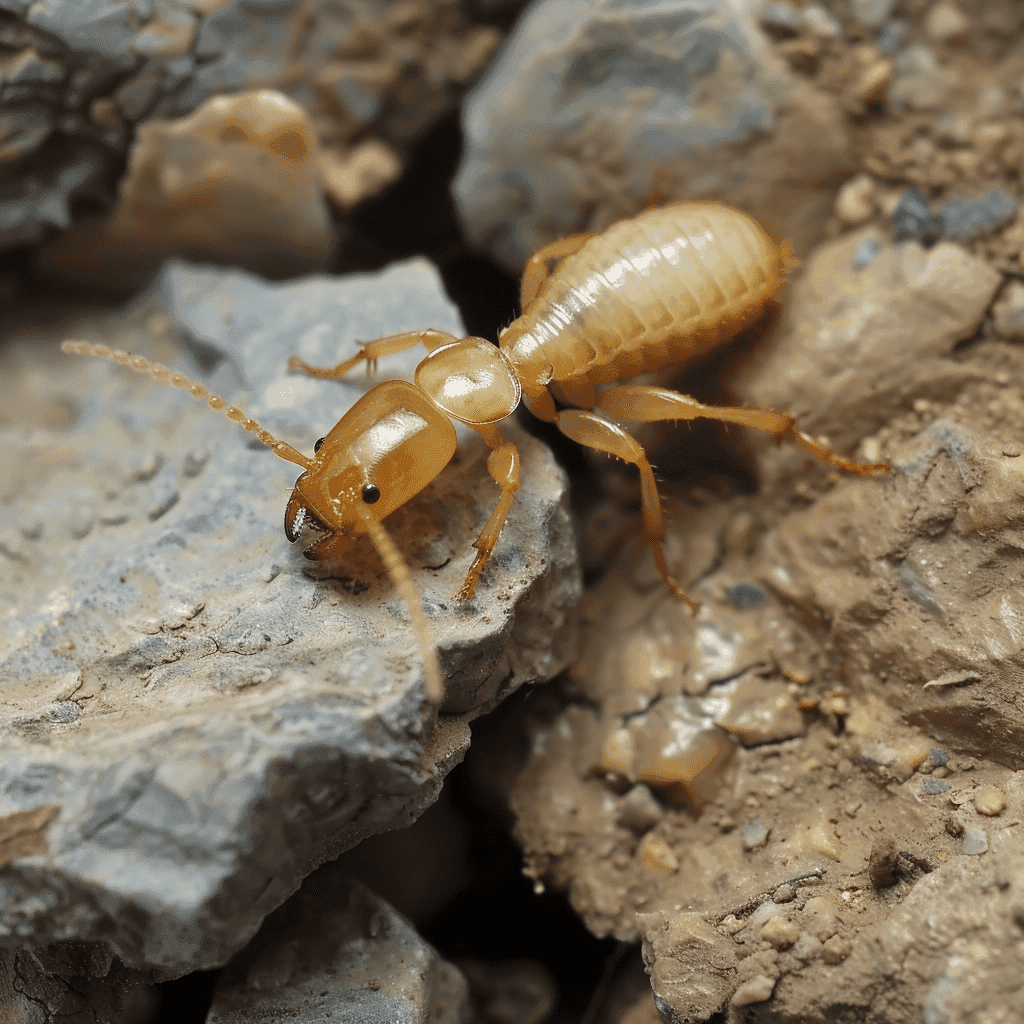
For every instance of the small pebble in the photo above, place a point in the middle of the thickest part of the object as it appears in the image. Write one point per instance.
(856, 200)
(756, 990)
(807, 947)
(836, 950)
(912, 218)
(965, 219)
(779, 16)
(866, 252)
(747, 595)
(975, 841)
(755, 834)
(939, 758)
(946, 23)
(784, 894)
(639, 810)
(657, 855)
(989, 800)
(891, 37)
(933, 786)
(1008, 311)
(780, 932)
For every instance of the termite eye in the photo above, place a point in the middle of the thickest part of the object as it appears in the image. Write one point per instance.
(319, 445)
(371, 494)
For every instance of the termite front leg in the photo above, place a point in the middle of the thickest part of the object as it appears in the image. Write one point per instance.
(638, 403)
(537, 265)
(371, 351)
(503, 465)
(594, 431)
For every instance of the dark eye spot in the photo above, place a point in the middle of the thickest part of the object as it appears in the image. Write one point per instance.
(319, 445)
(371, 494)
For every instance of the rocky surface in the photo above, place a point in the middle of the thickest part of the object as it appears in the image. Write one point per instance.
(869, 327)
(192, 185)
(802, 800)
(191, 722)
(72, 981)
(587, 113)
(336, 950)
(79, 77)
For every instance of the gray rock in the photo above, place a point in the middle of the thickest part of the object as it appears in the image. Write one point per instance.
(74, 982)
(965, 219)
(913, 218)
(921, 82)
(92, 26)
(591, 109)
(39, 200)
(336, 950)
(237, 722)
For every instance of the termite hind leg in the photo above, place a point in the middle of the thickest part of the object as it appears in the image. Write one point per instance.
(593, 431)
(503, 465)
(536, 270)
(371, 351)
(638, 403)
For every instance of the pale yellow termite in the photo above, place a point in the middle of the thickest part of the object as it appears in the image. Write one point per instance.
(665, 287)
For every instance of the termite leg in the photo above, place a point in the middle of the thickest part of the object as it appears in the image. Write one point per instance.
(371, 351)
(592, 430)
(638, 403)
(503, 465)
(537, 265)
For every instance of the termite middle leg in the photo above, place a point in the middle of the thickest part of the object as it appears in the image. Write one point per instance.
(371, 351)
(638, 403)
(503, 465)
(537, 265)
(592, 430)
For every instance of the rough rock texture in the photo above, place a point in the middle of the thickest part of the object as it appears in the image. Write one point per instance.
(77, 982)
(591, 110)
(336, 950)
(869, 327)
(78, 77)
(854, 856)
(191, 723)
(194, 183)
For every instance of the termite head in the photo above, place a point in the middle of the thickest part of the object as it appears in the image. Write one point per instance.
(382, 452)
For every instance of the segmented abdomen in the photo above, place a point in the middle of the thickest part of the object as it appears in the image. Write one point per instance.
(666, 286)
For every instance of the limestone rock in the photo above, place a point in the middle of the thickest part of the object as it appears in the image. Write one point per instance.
(190, 722)
(590, 110)
(336, 950)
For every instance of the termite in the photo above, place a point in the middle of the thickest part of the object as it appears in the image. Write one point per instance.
(665, 287)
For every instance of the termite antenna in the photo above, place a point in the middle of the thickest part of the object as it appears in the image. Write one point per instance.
(195, 389)
(392, 558)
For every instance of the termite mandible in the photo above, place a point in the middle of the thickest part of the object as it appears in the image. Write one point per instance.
(664, 287)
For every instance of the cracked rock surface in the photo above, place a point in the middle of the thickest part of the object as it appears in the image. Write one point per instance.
(336, 950)
(190, 721)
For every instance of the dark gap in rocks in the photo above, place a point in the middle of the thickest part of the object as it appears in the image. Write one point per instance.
(187, 999)
(416, 216)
